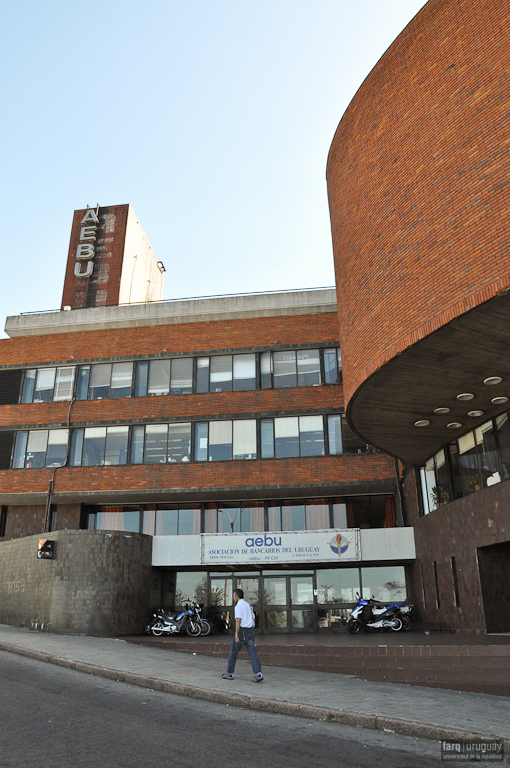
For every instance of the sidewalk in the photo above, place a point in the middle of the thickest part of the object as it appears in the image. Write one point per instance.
(410, 710)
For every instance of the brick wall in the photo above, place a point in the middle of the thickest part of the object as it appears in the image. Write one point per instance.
(418, 179)
(192, 338)
(98, 583)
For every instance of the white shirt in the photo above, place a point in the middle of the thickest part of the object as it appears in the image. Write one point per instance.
(244, 612)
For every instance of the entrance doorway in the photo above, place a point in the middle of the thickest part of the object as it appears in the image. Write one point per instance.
(494, 570)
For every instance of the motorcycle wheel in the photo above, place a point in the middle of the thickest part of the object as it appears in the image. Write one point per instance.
(193, 629)
(354, 627)
(398, 626)
(205, 628)
(157, 628)
(406, 623)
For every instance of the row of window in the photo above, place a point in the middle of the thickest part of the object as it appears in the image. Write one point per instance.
(477, 460)
(221, 440)
(247, 516)
(183, 375)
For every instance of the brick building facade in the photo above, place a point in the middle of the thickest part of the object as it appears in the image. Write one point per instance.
(215, 428)
(417, 177)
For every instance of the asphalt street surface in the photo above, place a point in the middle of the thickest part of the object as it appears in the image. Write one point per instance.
(57, 717)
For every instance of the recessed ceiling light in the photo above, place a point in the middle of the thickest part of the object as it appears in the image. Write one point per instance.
(465, 396)
(499, 400)
(475, 414)
(454, 425)
(441, 411)
(422, 423)
(493, 380)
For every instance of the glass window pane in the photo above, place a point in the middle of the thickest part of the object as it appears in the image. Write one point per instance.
(82, 389)
(156, 439)
(118, 519)
(189, 520)
(36, 448)
(93, 446)
(221, 592)
(275, 590)
(99, 387)
(286, 437)
(122, 379)
(301, 590)
(228, 515)
(339, 513)
(210, 518)
(252, 516)
(317, 514)
(351, 442)
(274, 516)
(338, 585)
(64, 383)
(244, 372)
(267, 438)
(245, 439)
(387, 583)
(137, 444)
(18, 461)
(266, 370)
(284, 367)
(28, 386)
(202, 374)
(182, 376)
(179, 442)
(293, 516)
(56, 453)
(221, 373)
(308, 368)
(44, 385)
(311, 435)
(116, 445)
(149, 521)
(490, 464)
(76, 448)
(166, 521)
(188, 584)
(330, 366)
(142, 379)
(220, 441)
(201, 441)
(335, 435)
(503, 429)
(159, 377)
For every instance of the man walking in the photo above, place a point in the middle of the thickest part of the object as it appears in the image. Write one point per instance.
(244, 635)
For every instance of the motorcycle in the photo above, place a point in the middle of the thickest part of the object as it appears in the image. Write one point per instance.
(168, 622)
(371, 614)
(205, 627)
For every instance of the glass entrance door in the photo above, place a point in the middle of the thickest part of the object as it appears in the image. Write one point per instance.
(288, 603)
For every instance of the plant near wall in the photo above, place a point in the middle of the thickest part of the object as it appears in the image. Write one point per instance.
(474, 484)
(440, 495)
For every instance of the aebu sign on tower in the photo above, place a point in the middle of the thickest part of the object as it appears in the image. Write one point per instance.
(110, 260)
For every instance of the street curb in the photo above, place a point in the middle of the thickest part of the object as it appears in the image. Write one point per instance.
(273, 706)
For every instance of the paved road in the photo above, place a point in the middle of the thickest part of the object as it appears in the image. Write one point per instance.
(57, 717)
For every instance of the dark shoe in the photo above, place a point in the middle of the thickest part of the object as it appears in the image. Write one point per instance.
(227, 676)
(257, 679)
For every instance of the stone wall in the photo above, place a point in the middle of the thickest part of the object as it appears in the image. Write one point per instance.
(99, 583)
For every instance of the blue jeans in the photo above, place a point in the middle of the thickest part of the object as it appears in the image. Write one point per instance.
(246, 637)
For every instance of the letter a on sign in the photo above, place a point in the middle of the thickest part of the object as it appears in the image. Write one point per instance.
(90, 216)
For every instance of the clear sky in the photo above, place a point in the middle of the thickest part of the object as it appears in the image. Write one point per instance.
(213, 118)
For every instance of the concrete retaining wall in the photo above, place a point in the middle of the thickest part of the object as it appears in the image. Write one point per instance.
(98, 583)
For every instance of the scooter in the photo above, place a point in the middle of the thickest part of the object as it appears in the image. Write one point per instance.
(167, 622)
(371, 614)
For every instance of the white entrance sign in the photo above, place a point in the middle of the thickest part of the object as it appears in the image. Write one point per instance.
(281, 547)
